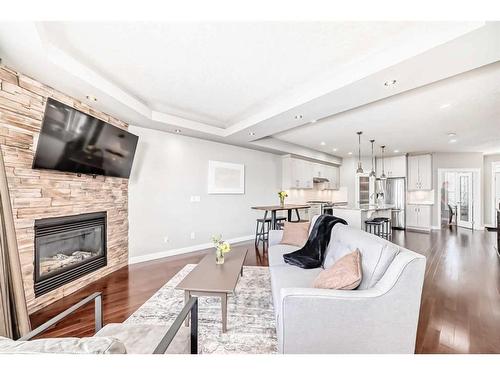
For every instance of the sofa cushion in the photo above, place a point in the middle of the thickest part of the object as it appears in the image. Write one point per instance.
(287, 276)
(143, 338)
(69, 345)
(345, 274)
(276, 254)
(295, 234)
(376, 253)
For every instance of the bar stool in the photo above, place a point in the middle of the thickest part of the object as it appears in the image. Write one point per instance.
(380, 226)
(386, 228)
(374, 227)
(262, 230)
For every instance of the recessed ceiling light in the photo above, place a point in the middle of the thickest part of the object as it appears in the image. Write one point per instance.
(322, 143)
(445, 105)
(177, 131)
(334, 149)
(452, 134)
(392, 82)
(453, 140)
(313, 121)
(396, 151)
(349, 153)
(251, 133)
(91, 98)
(298, 117)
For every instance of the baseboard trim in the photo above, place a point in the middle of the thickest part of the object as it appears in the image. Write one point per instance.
(183, 250)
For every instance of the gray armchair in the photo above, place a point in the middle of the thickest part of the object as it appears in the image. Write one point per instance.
(114, 338)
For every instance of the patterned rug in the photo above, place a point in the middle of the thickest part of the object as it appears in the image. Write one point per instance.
(250, 317)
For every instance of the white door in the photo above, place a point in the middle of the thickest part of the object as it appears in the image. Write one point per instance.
(465, 214)
(497, 190)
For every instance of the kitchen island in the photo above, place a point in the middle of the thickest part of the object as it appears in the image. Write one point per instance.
(356, 215)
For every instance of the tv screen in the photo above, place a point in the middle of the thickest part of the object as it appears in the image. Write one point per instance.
(72, 141)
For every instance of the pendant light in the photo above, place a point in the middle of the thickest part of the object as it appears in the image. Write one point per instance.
(360, 168)
(372, 173)
(383, 176)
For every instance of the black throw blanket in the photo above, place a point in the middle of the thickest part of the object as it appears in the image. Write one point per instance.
(313, 252)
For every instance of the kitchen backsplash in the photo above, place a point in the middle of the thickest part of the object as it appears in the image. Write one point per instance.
(316, 194)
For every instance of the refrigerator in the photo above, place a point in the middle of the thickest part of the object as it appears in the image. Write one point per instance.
(395, 195)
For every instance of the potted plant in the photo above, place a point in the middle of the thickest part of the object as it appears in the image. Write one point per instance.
(221, 247)
(282, 194)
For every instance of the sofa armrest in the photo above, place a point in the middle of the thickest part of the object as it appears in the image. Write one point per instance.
(382, 319)
(191, 308)
(96, 297)
(275, 237)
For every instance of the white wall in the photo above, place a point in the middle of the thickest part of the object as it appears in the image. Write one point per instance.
(168, 169)
(488, 203)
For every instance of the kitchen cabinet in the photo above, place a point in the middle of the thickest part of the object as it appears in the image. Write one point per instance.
(394, 166)
(418, 217)
(333, 176)
(299, 174)
(420, 172)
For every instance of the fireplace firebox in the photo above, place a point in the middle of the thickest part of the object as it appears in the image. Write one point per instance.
(67, 248)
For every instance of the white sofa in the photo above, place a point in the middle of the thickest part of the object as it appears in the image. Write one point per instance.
(380, 316)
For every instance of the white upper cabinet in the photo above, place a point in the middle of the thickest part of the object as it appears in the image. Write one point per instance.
(420, 172)
(333, 176)
(299, 174)
(394, 166)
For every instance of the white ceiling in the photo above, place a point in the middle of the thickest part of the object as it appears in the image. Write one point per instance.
(243, 83)
(221, 73)
(417, 120)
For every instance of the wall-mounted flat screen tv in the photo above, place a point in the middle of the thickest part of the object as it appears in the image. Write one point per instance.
(73, 141)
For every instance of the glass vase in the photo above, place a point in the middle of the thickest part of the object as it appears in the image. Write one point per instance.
(282, 201)
(219, 257)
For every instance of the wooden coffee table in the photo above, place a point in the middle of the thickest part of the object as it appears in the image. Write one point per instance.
(211, 279)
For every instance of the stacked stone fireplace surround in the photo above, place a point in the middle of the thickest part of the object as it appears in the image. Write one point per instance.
(37, 194)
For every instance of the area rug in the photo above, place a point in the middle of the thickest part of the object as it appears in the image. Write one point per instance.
(250, 317)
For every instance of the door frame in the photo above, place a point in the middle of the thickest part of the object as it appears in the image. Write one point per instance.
(495, 167)
(476, 187)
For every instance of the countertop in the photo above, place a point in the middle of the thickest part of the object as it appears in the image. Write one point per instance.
(365, 207)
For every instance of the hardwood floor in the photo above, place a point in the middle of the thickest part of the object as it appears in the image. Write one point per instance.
(460, 310)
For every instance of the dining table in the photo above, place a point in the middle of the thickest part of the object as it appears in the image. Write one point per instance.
(286, 207)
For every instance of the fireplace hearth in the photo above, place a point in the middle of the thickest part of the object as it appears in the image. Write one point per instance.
(67, 248)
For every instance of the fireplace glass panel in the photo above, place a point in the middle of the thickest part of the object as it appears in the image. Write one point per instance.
(61, 251)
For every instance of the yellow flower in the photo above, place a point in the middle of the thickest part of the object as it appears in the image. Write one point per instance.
(225, 247)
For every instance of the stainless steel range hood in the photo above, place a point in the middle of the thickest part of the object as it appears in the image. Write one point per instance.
(320, 180)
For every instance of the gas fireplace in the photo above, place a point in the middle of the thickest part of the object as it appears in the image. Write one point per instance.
(67, 248)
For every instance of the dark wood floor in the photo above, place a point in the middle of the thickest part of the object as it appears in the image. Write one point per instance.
(460, 310)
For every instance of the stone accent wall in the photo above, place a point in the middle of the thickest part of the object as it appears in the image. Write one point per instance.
(39, 193)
